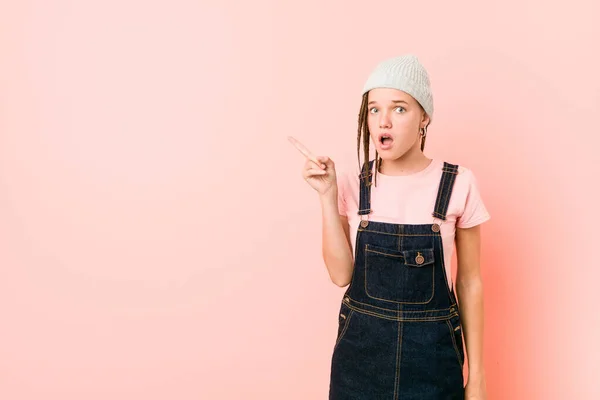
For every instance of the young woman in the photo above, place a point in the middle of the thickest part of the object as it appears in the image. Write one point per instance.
(389, 230)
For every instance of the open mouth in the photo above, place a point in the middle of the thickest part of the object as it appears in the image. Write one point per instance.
(385, 140)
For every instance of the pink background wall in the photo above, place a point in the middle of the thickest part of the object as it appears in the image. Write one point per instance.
(158, 242)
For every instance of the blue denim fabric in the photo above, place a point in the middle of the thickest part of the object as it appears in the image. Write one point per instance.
(399, 335)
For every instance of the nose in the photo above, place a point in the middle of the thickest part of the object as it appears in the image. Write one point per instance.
(385, 121)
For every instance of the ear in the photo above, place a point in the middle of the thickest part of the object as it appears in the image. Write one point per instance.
(425, 120)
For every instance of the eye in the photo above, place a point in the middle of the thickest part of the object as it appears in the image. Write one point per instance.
(372, 110)
(400, 108)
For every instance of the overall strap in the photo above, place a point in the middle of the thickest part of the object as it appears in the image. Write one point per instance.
(445, 190)
(364, 207)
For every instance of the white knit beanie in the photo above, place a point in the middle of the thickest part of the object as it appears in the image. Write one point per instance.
(404, 73)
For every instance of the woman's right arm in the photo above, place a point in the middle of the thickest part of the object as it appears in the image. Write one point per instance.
(337, 250)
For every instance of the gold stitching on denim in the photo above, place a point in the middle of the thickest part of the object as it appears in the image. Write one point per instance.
(457, 328)
(385, 254)
(344, 329)
(446, 201)
(440, 189)
(441, 185)
(450, 167)
(374, 249)
(400, 239)
(405, 311)
(398, 234)
(425, 319)
(399, 302)
(398, 358)
(454, 342)
(439, 215)
(452, 311)
(452, 170)
(446, 280)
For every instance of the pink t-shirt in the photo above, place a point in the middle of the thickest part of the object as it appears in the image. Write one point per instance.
(410, 199)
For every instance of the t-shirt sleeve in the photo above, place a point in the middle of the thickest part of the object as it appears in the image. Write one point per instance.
(475, 211)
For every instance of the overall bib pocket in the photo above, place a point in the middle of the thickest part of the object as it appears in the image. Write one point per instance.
(399, 276)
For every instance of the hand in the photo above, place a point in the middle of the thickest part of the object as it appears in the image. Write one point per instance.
(476, 389)
(318, 171)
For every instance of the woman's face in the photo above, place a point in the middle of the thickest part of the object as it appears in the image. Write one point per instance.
(394, 119)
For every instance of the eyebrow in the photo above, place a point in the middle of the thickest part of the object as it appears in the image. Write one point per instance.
(393, 101)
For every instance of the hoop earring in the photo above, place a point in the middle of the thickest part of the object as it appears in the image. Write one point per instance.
(423, 133)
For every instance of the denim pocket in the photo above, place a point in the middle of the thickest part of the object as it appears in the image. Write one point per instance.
(399, 276)
(455, 328)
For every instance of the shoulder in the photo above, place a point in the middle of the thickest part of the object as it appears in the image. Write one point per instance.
(464, 175)
(467, 202)
(465, 185)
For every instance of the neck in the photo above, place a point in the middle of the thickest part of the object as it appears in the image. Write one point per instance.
(407, 164)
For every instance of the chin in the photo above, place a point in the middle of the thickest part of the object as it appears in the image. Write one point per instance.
(390, 156)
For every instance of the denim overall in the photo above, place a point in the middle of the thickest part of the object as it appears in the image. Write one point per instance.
(399, 335)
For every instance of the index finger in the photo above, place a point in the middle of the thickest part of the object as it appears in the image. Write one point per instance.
(303, 150)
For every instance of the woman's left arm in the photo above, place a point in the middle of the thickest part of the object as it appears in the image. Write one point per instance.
(469, 290)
